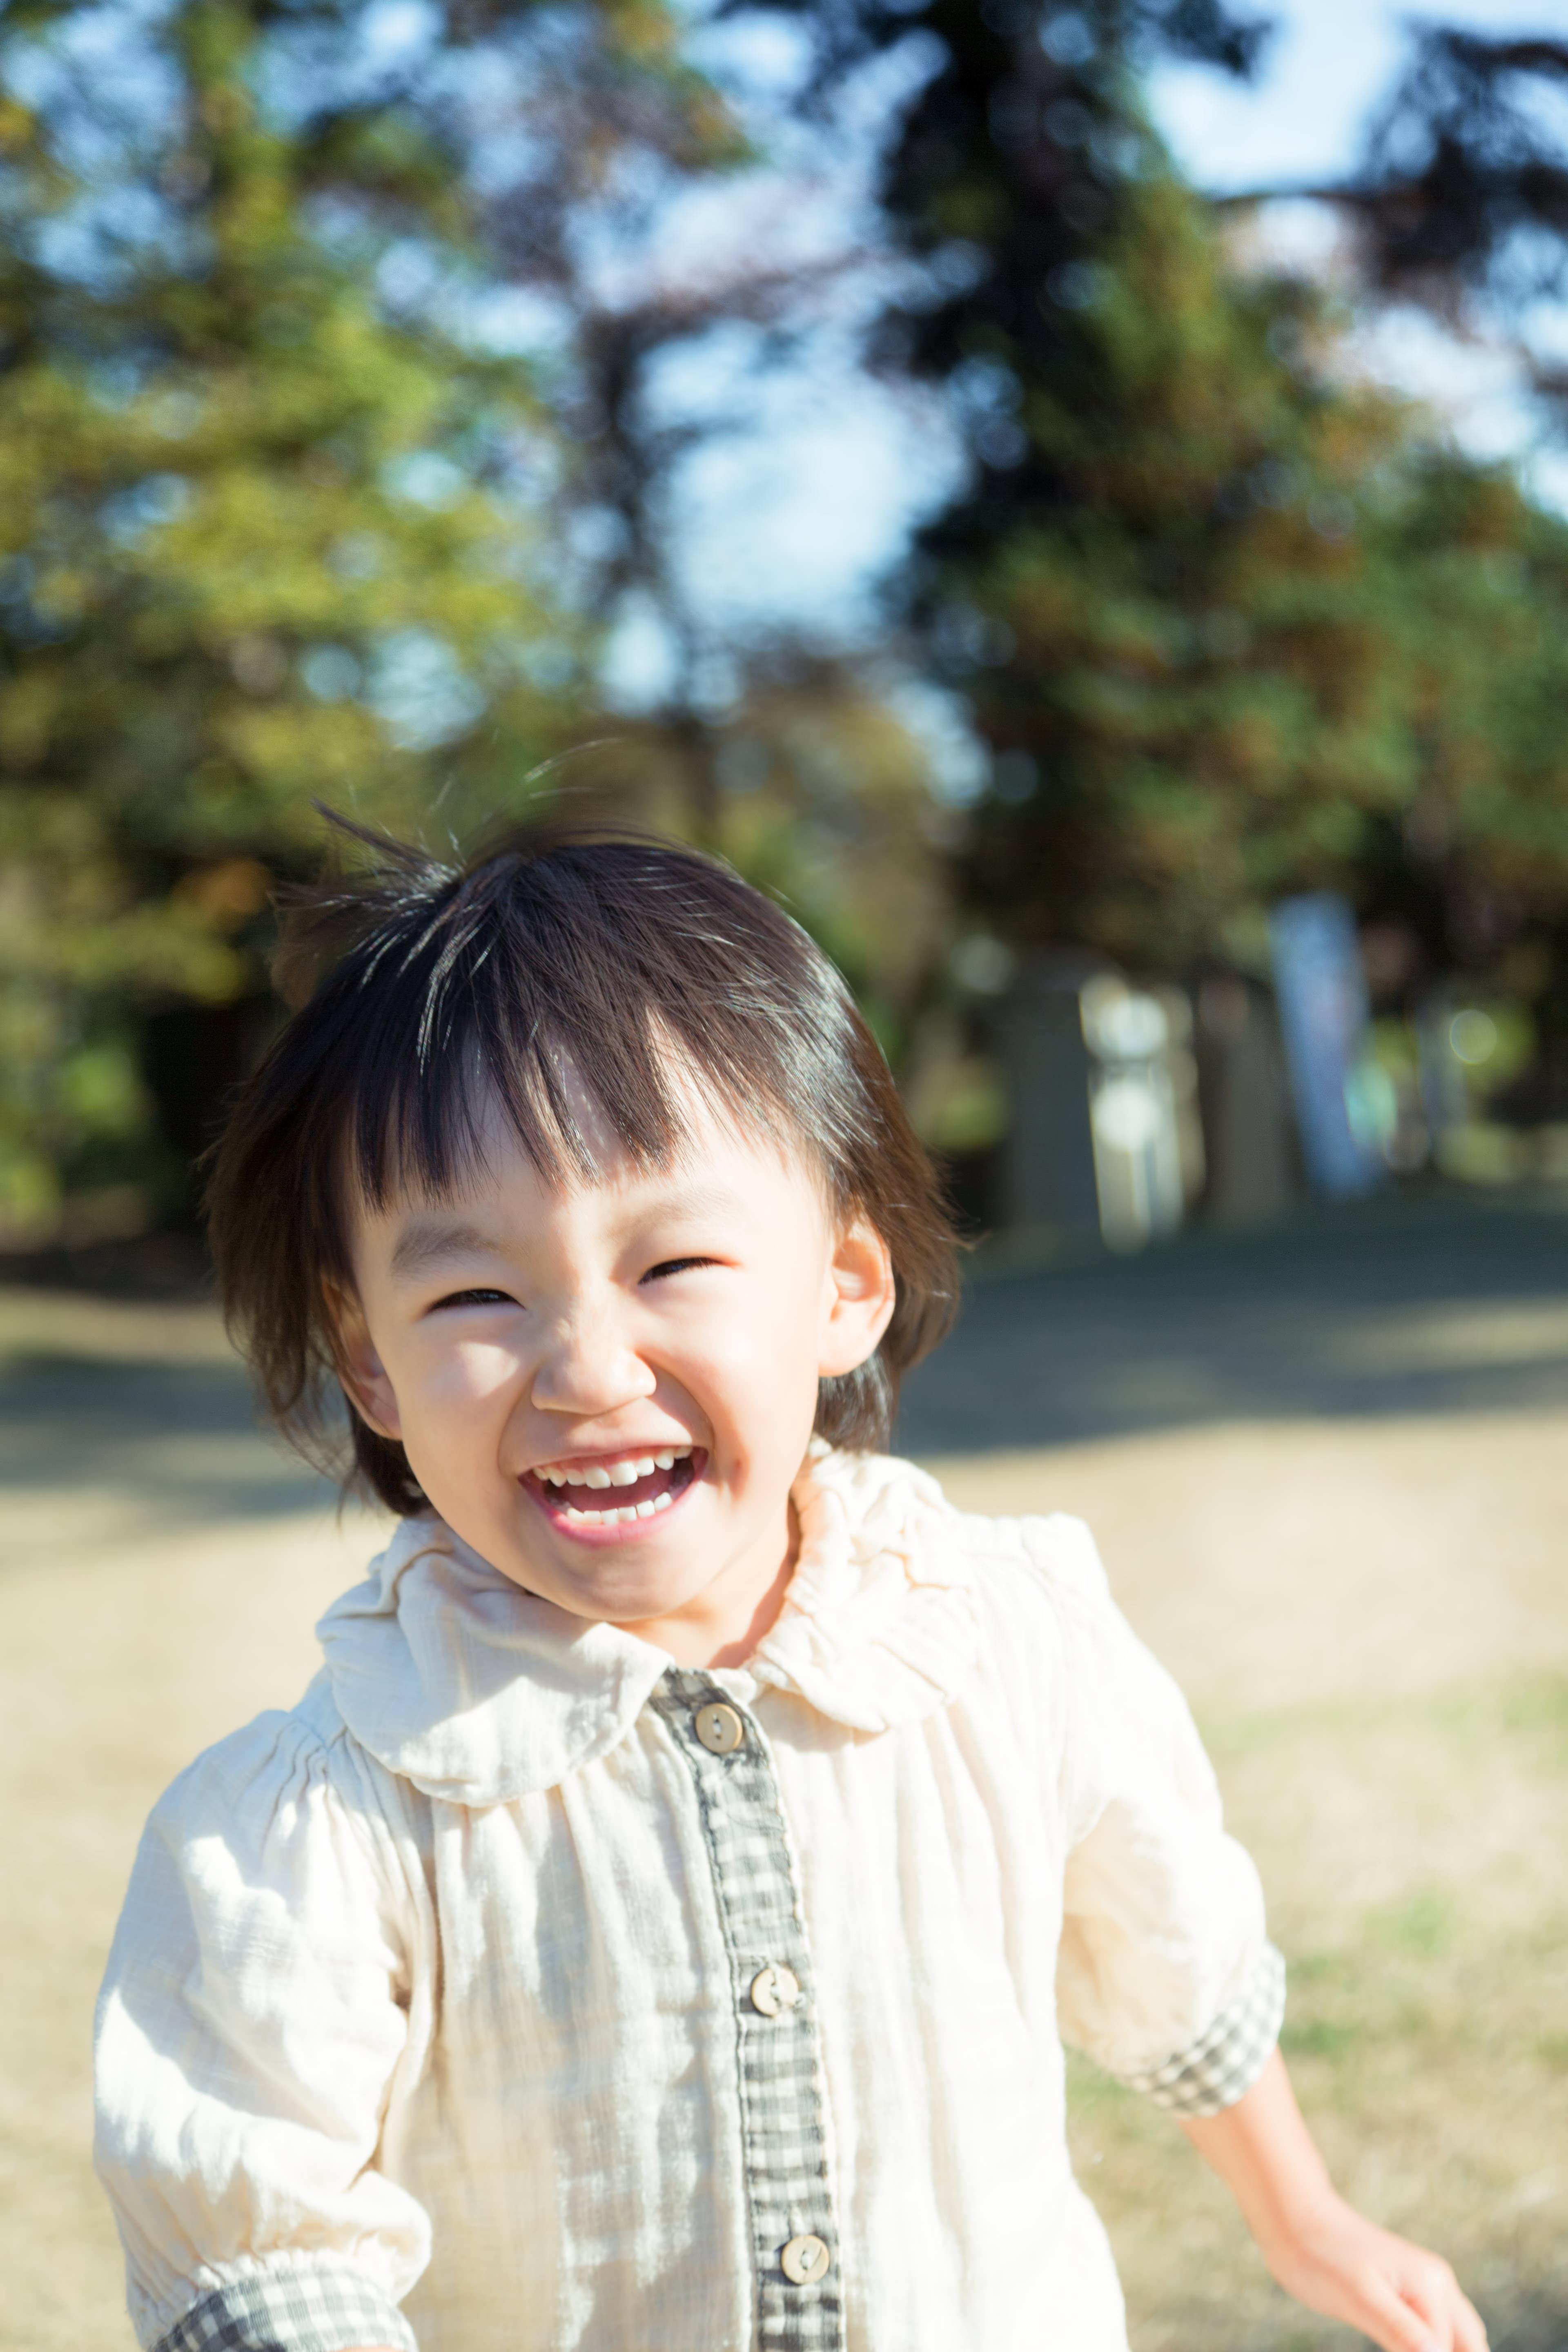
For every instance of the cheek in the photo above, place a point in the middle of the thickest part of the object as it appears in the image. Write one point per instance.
(459, 1379)
(754, 1369)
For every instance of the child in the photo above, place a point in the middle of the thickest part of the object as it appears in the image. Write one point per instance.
(656, 1928)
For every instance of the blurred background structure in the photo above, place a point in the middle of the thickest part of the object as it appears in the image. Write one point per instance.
(1074, 498)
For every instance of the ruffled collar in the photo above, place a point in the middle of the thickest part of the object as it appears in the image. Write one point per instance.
(478, 1692)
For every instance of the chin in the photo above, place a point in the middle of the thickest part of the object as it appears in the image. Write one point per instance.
(631, 1601)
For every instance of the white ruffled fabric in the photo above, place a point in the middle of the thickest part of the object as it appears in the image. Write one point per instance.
(421, 1987)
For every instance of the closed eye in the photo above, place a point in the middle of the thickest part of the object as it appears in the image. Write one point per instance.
(477, 1297)
(676, 1265)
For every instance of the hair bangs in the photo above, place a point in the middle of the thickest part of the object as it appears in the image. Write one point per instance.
(484, 1014)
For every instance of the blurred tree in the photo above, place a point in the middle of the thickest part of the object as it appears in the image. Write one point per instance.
(1018, 165)
(1220, 614)
(1181, 659)
(1229, 624)
(790, 759)
(1472, 580)
(270, 523)
(1280, 641)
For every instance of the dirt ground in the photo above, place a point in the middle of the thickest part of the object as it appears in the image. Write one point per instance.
(1368, 1610)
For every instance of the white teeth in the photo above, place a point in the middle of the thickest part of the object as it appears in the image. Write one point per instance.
(624, 1514)
(624, 1473)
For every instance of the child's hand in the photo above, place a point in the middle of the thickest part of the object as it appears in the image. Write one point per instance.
(1319, 2248)
(1405, 2299)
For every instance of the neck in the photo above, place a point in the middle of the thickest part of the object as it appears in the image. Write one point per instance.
(724, 1625)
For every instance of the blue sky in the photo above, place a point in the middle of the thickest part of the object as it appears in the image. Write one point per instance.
(1323, 75)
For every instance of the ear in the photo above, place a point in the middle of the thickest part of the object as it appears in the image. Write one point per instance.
(360, 1369)
(859, 1300)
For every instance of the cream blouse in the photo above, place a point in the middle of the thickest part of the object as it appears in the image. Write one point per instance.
(519, 1992)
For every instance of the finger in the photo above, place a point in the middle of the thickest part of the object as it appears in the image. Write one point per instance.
(1470, 2327)
(1434, 2291)
(1396, 2324)
(1430, 2288)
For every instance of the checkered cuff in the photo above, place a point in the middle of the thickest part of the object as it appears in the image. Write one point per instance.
(1221, 2065)
(326, 2310)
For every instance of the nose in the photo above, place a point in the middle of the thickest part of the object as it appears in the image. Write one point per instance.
(588, 1369)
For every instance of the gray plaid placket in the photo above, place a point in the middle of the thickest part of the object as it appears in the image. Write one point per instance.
(783, 2134)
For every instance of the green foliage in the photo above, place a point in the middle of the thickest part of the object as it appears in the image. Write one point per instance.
(267, 533)
(1475, 581)
(1265, 637)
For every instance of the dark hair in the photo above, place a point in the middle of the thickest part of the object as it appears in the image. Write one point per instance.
(413, 978)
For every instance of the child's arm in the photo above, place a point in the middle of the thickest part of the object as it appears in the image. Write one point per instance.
(1319, 2248)
(254, 2014)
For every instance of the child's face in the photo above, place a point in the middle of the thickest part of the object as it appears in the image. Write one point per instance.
(608, 1389)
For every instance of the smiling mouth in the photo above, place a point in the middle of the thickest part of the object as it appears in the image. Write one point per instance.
(619, 1491)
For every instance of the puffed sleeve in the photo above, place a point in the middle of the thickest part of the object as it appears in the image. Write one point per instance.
(1166, 1977)
(253, 2016)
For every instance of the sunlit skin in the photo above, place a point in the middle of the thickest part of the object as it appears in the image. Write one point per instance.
(517, 1323)
(1320, 2249)
(520, 1323)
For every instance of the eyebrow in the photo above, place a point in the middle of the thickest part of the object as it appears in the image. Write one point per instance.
(424, 1243)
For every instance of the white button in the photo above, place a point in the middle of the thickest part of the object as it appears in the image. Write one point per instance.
(804, 2261)
(719, 1729)
(774, 1988)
